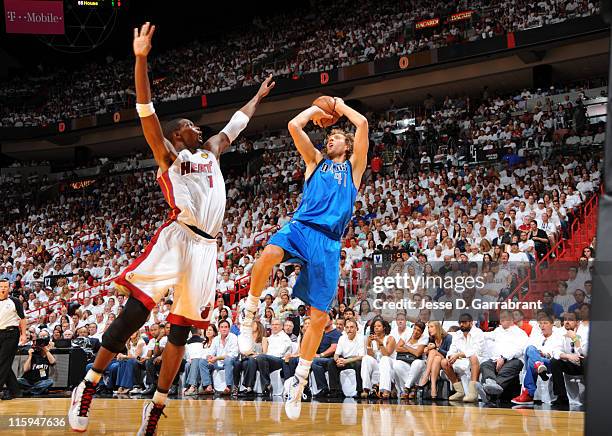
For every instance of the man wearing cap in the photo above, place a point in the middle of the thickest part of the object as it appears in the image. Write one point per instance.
(13, 326)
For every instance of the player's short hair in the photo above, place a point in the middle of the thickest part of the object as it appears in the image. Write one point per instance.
(172, 126)
(349, 138)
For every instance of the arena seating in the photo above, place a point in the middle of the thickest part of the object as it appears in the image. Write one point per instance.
(287, 46)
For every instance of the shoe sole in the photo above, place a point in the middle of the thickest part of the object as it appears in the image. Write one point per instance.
(530, 403)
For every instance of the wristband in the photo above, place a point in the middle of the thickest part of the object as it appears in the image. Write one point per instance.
(145, 110)
(236, 124)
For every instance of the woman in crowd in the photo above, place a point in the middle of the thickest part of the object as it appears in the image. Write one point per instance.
(380, 348)
(197, 365)
(123, 375)
(435, 351)
(409, 365)
(247, 365)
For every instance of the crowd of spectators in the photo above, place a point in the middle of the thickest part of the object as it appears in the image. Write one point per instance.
(318, 38)
(437, 216)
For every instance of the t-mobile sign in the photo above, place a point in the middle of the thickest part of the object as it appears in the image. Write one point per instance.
(34, 17)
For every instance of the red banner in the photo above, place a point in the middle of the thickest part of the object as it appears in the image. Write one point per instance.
(34, 17)
(460, 16)
(432, 22)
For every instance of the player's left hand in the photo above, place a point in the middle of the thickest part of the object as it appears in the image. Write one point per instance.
(266, 87)
(142, 39)
(318, 115)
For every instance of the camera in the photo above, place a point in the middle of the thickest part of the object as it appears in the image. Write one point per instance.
(41, 342)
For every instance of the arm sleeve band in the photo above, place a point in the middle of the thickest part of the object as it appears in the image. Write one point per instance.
(145, 110)
(236, 125)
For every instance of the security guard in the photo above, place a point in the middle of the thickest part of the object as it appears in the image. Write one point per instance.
(13, 326)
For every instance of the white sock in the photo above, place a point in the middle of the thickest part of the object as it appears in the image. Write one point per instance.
(93, 376)
(252, 304)
(159, 398)
(303, 369)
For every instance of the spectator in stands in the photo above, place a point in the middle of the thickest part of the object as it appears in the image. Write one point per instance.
(348, 354)
(154, 356)
(275, 348)
(504, 366)
(35, 379)
(570, 356)
(246, 364)
(123, 375)
(221, 357)
(324, 356)
(538, 353)
(439, 343)
(464, 354)
(288, 328)
(197, 358)
(380, 353)
(409, 364)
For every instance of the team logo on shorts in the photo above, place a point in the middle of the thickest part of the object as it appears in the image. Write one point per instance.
(204, 155)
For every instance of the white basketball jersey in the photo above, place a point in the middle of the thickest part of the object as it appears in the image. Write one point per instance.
(195, 190)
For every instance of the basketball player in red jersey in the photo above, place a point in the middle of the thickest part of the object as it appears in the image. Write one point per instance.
(183, 252)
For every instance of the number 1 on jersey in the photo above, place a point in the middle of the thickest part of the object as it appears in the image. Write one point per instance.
(210, 181)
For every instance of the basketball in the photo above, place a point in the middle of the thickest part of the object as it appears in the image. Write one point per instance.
(328, 104)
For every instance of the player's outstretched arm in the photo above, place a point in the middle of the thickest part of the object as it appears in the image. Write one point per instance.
(163, 151)
(359, 158)
(309, 153)
(222, 140)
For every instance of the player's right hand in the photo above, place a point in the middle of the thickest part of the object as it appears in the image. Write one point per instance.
(319, 114)
(142, 39)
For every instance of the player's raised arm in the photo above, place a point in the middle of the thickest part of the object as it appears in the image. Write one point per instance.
(309, 153)
(222, 140)
(359, 158)
(163, 151)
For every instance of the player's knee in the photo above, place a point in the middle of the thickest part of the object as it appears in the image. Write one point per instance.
(132, 317)
(178, 335)
(271, 255)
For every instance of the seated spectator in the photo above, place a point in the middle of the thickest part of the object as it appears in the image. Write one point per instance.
(154, 357)
(275, 348)
(439, 343)
(221, 357)
(504, 366)
(554, 310)
(35, 379)
(123, 376)
(324, 356)
(409, 364)
(570, 357)
(197, 352)
(380, 349)
(246, 364)
(219, 304)
(288, 327)
(464, 354)
(538, 353)
(349, 352)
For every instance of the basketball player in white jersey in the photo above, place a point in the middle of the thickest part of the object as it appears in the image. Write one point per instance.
(183, 252)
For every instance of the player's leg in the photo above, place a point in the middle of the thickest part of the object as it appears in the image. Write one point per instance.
(270, 257)
(294, 387)
(171, 362)
(133, 316)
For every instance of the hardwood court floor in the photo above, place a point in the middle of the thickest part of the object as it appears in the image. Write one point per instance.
(235, 417)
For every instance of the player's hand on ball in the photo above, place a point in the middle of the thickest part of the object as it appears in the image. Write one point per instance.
(266, 86)
(142, 39)
(318, 115)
